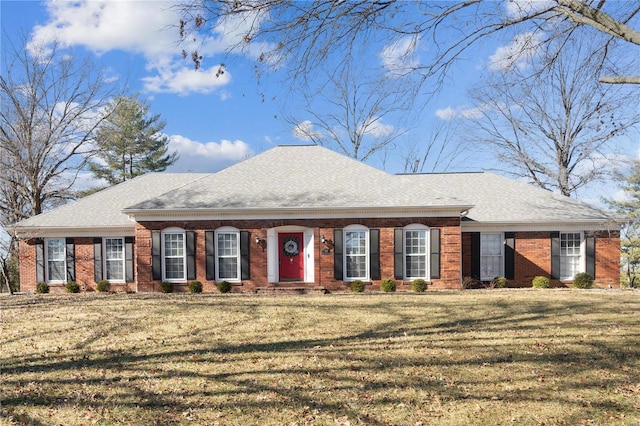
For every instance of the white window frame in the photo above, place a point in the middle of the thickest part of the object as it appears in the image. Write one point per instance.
(366, 255)
(165, 233)
(64, 261)
(228, 231)
(106, 259)
(564, 257)
(484, 256)
(427, 249)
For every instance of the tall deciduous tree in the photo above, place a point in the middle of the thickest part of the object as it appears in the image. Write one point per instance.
(350, 111)
(326, 31)
(630, 209)
(130, 142)
(554, 125)
(50, 105)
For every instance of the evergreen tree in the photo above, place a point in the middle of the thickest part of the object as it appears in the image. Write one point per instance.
(630, 208)
(130, 143)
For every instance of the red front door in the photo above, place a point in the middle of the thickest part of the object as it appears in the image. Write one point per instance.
(290, 256)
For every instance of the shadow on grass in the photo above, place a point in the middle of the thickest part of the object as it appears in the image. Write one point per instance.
(415, 354)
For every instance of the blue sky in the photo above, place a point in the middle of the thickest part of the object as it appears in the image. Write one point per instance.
(215, 121)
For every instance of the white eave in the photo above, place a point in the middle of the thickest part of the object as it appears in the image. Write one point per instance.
(141, 215)
(587, 225)
(72, 232)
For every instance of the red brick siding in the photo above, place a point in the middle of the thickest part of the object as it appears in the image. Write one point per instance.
(324, 276)
(533, 258)
(83, 264)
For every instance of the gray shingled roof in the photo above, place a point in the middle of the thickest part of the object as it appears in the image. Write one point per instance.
(300, 177)
(315, 178)
(499, 199)
(104, 208)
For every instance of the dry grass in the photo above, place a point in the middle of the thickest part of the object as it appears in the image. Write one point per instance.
(473, 357)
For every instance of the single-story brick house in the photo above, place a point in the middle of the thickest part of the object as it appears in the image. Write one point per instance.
(309, 217)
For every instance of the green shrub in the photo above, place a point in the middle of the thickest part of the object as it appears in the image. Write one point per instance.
(42, 288)
(540, 282)
(166, 287)
(583, 280)
(195, 287)
(72, 287)
(498, 282)
(357, 286)
(388, 285)
(224, 286)
(103, 286)
(419, 285)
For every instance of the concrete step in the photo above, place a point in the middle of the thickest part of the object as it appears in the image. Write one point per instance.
(290, 289)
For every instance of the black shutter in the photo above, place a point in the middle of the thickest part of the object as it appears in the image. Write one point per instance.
(475, 255)
(338, 250)
(434, 253)
(128, 259)
(374, 254)
(97, 259)
(591, 256)
(210, 252)
(191, 255)
(156, 255)
(555, 255)
(245, 272)
(509, 255)
(40, 277)
(71, 259)
(398, 249)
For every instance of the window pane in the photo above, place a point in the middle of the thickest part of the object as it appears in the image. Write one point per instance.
(173, 245)
(56, 260)
(491, 260)
(228, 267)
(356, 254)
(356, 266)
(55, 249)
(227, 244)
(174, 268)
(570, 255)
(416, 242)
(416, 266)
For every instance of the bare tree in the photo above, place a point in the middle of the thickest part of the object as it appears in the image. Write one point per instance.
(326, 31)
(51, 103)
(434, 153)
(349, 111)
(554, 125)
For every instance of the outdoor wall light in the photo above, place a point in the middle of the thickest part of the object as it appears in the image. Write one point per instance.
(327, 242)
(262, 243)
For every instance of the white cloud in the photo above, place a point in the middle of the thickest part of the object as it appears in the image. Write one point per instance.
(450, 113)
(146, 28)
(518, 53)
(377, 129)
(185, 80)
(305, 131)
(206, 156)
(398, 58)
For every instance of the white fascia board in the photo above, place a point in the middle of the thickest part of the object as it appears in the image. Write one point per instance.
(539, 226)
(295, 213)
(68, 231)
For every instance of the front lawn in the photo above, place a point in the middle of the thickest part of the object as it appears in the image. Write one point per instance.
(471, 357)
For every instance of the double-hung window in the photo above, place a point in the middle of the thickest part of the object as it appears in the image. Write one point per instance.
(228, 254)
(56, 260)
(415, 253)
(173, 242)
(114, 259)
(356, 252)
(570, 254)
(491, 256)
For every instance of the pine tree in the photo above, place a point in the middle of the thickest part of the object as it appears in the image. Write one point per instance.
(630, 209)
(130, 143)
